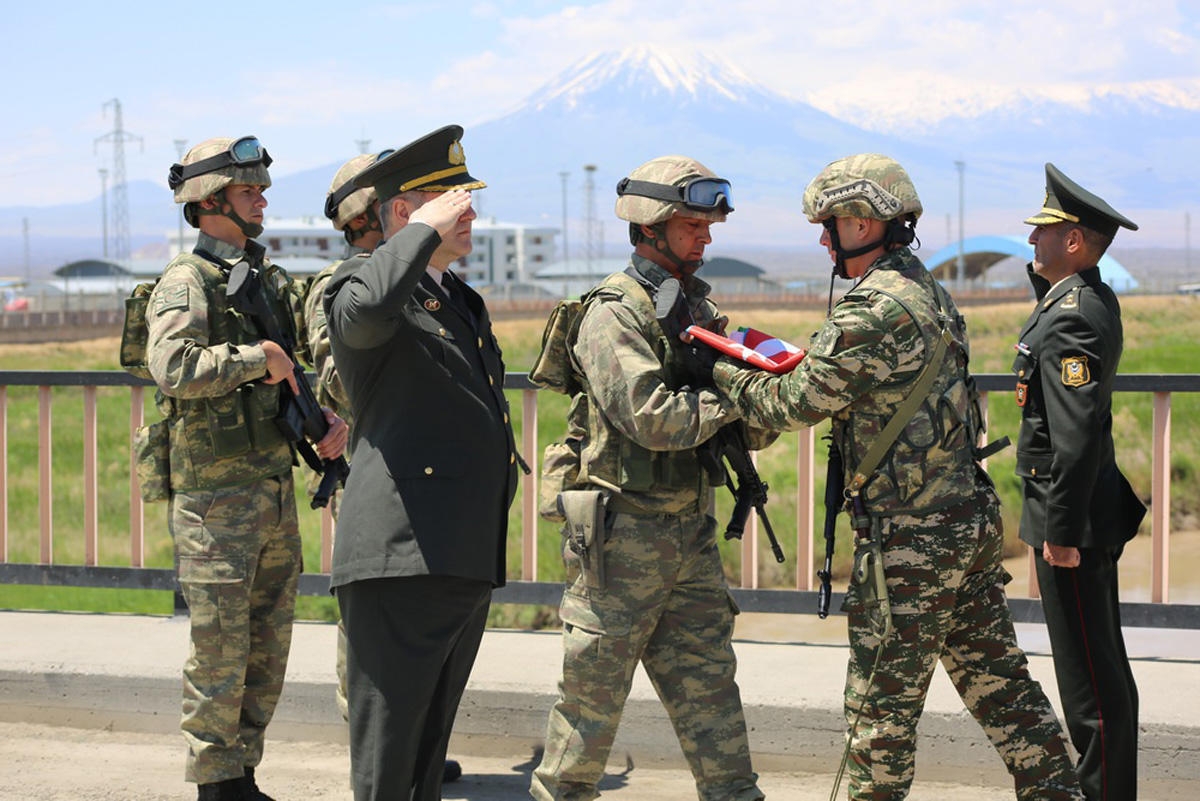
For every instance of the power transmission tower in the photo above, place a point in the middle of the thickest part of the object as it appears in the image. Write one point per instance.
(118, 136)
(104, 208)
(364, 144)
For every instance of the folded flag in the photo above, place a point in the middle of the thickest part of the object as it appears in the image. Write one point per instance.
(754, 347)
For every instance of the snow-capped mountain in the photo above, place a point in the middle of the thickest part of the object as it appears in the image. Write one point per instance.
(1135, 144)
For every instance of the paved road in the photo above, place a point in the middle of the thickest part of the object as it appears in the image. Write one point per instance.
(52, 763)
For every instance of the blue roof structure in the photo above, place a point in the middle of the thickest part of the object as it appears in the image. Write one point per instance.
(981, 252)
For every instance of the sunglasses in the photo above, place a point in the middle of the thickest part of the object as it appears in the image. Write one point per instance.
(245, 151)
(701, 194)
(347, 189)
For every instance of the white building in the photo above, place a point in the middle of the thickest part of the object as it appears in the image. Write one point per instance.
(503, 253)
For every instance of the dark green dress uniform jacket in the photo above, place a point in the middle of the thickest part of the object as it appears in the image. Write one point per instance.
(434, 459)
(1067, 358)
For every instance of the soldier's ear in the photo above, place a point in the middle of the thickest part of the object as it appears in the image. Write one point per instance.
(1074, 241)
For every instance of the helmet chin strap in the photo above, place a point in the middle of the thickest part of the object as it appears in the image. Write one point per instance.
(251, 230)
(684, 266)
(840, 254)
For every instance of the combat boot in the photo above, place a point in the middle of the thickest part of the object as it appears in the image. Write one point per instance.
(228, 790)
(250, 791)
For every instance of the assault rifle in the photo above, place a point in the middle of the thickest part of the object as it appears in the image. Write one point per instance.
(835, 487)
(300, 415)
(729, 444)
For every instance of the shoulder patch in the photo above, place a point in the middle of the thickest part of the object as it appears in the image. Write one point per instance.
(1070, 300)
(170, 298)
(826, 339)
(1075, 371)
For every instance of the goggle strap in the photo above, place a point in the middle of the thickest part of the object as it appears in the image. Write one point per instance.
(182, 172)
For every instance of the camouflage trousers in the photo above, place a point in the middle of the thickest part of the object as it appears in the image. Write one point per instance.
(239, 561)
(664, 604)
(946, 587)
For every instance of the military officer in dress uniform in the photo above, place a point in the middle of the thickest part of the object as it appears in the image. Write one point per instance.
(351, 209)
(421, 530)
(1078, 511)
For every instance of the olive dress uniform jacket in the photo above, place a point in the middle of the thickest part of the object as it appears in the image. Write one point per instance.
(434, 458)
(1067, 358)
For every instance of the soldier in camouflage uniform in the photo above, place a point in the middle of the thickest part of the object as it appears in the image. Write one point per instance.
(929, 506)
(650, 588)
(352, 211)
(232, 503)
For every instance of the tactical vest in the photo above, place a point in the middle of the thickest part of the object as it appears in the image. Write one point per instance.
(232, 439)
(666, 481)
(933, 459)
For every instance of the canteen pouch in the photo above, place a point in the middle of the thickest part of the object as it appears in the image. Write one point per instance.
(134, 333)
(868, 577)
(583, 531)
(152, 461)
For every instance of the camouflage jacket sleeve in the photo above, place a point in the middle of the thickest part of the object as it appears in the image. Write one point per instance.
(864, 343)
(182, 359)
(625, 383)
(329, 384)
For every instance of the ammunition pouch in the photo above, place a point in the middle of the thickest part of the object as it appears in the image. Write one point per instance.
(583, 532)
(152, 461)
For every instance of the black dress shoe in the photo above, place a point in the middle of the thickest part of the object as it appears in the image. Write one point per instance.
(451, 771)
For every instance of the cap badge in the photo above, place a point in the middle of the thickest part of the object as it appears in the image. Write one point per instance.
(456, 155)
(432, 304)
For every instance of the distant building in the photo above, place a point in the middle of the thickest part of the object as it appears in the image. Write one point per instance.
(503, 253)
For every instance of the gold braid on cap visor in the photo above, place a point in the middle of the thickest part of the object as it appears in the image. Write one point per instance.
(419, 183)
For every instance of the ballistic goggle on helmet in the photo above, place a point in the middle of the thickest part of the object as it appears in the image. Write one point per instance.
(869, 186)
(670, 185)
(217, 163)
(345, 201)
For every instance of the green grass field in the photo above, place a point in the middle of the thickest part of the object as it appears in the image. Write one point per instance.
(1162, 335)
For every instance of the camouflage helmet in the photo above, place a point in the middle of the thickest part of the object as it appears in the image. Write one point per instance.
(868, 185)
(344, 201)
(217, 163)
(670, 185)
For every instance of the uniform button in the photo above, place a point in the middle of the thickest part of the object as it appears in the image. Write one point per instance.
(491, 381)
(506, 417)
(511, 458)
(1020, 373)
(442, 331)
(479, 341)
(429, 471)
(1033, 471)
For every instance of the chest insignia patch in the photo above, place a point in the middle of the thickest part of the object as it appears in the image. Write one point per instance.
(1022, 393)
(1075, 371)
(432, 304)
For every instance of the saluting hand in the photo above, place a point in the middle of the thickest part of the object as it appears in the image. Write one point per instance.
(443, 212)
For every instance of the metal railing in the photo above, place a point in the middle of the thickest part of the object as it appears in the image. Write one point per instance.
(800, 598)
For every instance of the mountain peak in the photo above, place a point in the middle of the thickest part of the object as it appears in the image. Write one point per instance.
(648, 71)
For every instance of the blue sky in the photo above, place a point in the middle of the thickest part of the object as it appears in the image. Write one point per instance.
(312, 78)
